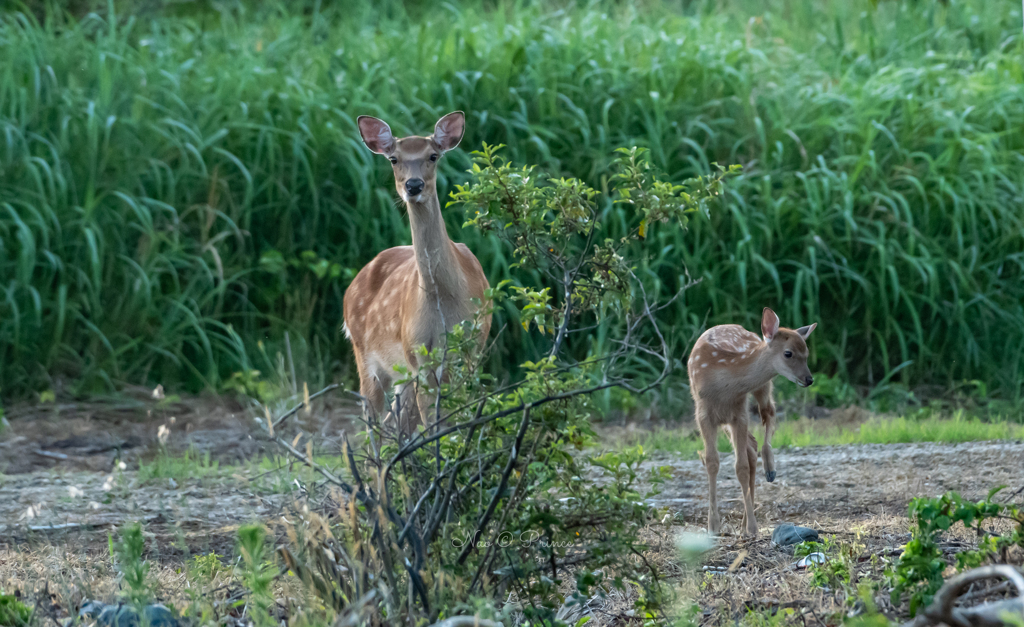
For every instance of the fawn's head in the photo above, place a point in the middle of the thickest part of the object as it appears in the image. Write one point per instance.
(787, 348)
(414, 159)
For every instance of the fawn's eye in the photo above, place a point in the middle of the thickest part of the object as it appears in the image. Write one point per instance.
(788, 354)
(394, 160)
(433, 157)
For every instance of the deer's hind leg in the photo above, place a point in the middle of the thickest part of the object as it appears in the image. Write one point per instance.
(741, 445)
(751, 453)
(709, 457)
(766, 408)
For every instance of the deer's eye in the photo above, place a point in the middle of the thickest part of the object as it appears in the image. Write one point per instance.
(433, 157)
(394, 160)
(788, 354)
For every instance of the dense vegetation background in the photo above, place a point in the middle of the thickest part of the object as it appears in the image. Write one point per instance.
(182, 182)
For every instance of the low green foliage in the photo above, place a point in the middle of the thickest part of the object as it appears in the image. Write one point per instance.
(190, 466)
(131, 564)
(205, 567)
(838, 569)
(919, 571)
(14, 613)
(900, 430)
(256, 572)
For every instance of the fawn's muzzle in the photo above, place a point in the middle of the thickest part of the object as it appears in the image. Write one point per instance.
(414, 186)
(808, 381)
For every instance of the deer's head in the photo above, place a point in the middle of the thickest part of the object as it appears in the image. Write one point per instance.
(788, 348)
(414, 159)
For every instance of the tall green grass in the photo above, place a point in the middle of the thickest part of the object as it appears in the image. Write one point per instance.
(178, 186)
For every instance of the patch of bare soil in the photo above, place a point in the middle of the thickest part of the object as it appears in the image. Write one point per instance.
(92, 435)
(56, 512)
(853, 482)
(857, 494)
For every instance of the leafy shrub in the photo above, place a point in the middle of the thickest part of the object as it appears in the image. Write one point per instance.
(492, 497)
(919, 570)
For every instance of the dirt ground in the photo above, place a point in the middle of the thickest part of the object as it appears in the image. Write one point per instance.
(62, 491)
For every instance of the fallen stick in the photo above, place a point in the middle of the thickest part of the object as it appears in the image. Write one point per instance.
(42, 453)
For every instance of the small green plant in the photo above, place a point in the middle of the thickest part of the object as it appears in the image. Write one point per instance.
(190, 466)
(133, 568)
(205, 567)
(250, 383)
(769, 618)
(14, 613)
(918, 572)
(837, 571)
(256, 572)
(870, 617)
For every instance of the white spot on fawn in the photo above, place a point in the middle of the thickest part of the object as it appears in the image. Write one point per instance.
(703, 365)
(714, 353)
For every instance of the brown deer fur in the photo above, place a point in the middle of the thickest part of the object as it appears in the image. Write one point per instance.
(410, 296)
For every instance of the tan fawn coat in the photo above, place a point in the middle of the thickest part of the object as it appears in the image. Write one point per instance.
(726, 364)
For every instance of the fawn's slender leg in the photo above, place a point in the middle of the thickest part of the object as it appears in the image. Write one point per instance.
(752, 461)
(766, 408)
(709, 431)
(738, 431)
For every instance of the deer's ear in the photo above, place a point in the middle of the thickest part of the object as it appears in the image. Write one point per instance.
(805, 332)
(376, 135)
(448, 130)
(769, 324)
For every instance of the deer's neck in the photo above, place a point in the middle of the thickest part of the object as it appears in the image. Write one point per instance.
(440, 275)
(761, 370)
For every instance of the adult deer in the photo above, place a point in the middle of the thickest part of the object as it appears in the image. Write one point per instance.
(410, 296)
(726, 364)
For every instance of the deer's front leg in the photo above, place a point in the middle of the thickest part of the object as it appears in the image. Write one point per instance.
(766, 408)
(426, 399)
(739, 434)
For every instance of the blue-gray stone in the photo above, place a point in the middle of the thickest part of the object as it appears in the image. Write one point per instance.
(121, 615)
(788, 534)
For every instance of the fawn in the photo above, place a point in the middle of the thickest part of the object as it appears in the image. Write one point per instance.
(727, 363)
(410, 296)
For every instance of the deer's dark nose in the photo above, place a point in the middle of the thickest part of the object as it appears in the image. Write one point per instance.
(414, 186)
(809, 380)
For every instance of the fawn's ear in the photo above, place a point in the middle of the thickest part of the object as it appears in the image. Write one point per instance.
(769, 324)
(376, 135)
(805, 332)
(449, 129)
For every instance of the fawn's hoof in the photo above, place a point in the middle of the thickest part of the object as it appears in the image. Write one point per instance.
(769, 475)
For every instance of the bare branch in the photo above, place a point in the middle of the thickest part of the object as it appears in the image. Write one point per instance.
(513, 456)
(941, 611)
